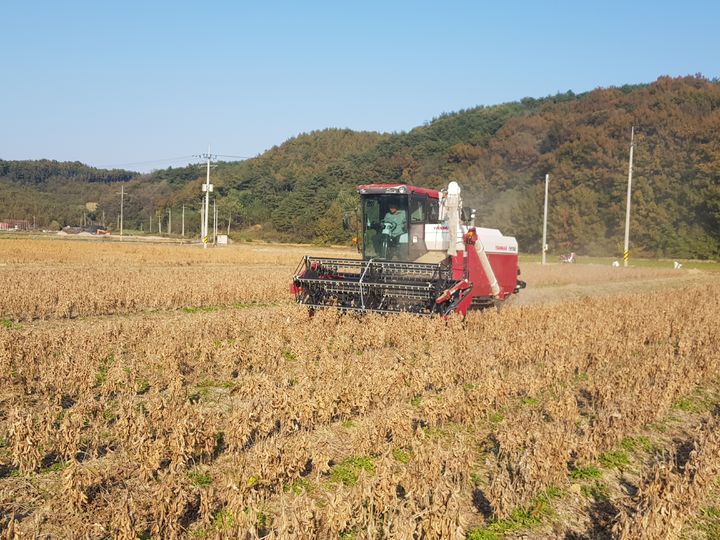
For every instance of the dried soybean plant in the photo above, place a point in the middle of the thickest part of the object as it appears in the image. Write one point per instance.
(673, 489)
(262, 422)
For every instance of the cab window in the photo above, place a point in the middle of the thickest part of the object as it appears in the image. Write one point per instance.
(418, 210)
(433, 209)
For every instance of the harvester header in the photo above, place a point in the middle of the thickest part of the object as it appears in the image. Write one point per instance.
(421, 253)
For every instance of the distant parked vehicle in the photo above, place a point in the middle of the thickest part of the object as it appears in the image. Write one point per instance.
(568, 258)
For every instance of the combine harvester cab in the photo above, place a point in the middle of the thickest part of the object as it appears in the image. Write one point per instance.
(421, 253)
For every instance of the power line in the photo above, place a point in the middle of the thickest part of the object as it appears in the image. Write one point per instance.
(169, 159)
(148, 161)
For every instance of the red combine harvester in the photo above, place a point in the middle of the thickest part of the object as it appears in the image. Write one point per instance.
(421, 253)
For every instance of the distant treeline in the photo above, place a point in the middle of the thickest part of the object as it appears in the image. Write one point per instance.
(44, 170)
(299, 190)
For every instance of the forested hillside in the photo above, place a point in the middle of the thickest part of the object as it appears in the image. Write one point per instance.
(299, 190)
(47, 191)
(501, 154)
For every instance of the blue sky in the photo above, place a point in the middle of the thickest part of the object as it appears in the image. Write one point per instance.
(132, 84)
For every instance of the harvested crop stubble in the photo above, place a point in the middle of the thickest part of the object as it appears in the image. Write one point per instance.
(584, 274)
(244, 423)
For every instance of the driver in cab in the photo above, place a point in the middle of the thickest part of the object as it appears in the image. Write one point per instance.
(384, 234)
(396, 225)
(398, 221)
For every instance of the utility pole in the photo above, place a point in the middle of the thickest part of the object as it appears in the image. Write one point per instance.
(122, 205)
(626, 250)
(544, 241)
(214, 222)
(207, 189)
(202, 218)
(169, 220)
(160, 223)
(183, 222)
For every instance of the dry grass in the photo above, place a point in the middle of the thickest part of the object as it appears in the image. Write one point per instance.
(263, 422)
